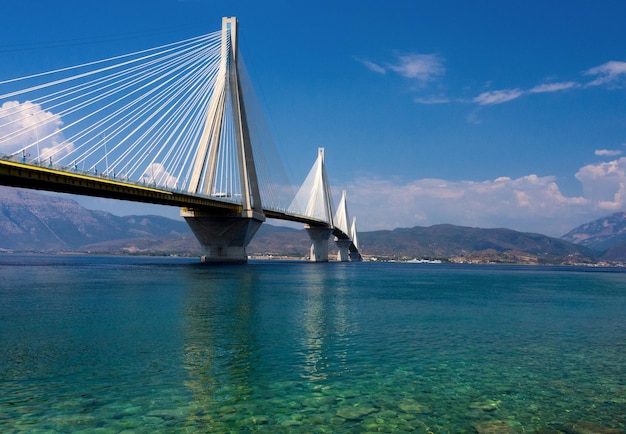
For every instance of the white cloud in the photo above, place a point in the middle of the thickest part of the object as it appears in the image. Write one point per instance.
(529, 203)
(609, 73)
(156, 174)
(505, 95)
(554, 87)
(373, 66)
(498, 96)
(428, 67)
(605, 184)
(26, 126)
(607, 152)
(431, 100)
(423, 67)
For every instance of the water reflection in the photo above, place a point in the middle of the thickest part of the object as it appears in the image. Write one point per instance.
(315, 328)
(220, 343)
(247, 328)
(326, 324)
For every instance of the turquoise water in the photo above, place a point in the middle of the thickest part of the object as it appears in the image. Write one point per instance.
(108, 344)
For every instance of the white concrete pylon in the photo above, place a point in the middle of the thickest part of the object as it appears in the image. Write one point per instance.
(225, 236)
(355, 255)
(342, 221)
(353, 234)
(313, 198)
(226, 107)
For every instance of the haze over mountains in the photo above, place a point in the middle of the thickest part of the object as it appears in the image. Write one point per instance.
(34, 222)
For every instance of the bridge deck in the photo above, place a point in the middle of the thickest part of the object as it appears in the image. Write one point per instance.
(45, 178)
(16, 174)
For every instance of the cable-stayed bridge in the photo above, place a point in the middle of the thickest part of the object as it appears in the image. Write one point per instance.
(176, 125)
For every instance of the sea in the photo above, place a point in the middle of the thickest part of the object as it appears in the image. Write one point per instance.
(163, 344)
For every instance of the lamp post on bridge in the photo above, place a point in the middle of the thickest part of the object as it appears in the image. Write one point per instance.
(36, 139)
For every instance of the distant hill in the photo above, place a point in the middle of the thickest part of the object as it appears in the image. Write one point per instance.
(606, 234)
(447, 241)
(31, 221)
(280, 240)
(601, 234)
(35, 222)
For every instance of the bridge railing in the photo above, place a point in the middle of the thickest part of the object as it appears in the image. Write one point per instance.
(102, 175)
(272, 211)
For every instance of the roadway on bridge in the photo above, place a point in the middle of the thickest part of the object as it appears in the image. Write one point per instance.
(16, 174)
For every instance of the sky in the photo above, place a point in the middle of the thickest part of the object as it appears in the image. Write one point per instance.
(474, 113)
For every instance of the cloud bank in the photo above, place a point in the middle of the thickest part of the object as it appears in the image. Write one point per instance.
(530, 203)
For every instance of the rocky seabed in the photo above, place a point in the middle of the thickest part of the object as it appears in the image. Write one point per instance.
(434, 402)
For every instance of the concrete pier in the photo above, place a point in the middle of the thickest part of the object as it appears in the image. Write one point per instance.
(319, 236)
(223, 237)
(343, 245)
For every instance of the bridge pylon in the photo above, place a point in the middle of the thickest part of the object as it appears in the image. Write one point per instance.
(225, 235)
(342, 222)
(355, 254)
(315, 193)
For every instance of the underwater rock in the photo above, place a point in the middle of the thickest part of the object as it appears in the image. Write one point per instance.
(486, 405)
(493, 427)
(227, 409)
(348, 394)
(354, 412)
(168, 413)
(411, 406)
(290, 422)
(584, 427)
(316, 419)
(388, 414)
(259, 419)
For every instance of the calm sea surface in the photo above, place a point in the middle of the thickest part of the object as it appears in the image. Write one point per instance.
(110, 344)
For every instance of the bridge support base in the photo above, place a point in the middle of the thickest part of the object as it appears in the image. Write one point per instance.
(223, 237)
(343, 247)
(319, 247)
(355, 257)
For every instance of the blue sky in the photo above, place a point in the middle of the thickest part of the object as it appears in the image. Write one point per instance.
(487, 114)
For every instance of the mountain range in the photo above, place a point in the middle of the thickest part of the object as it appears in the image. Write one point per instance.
(606, 234)
(31, 221)
(35, 222)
